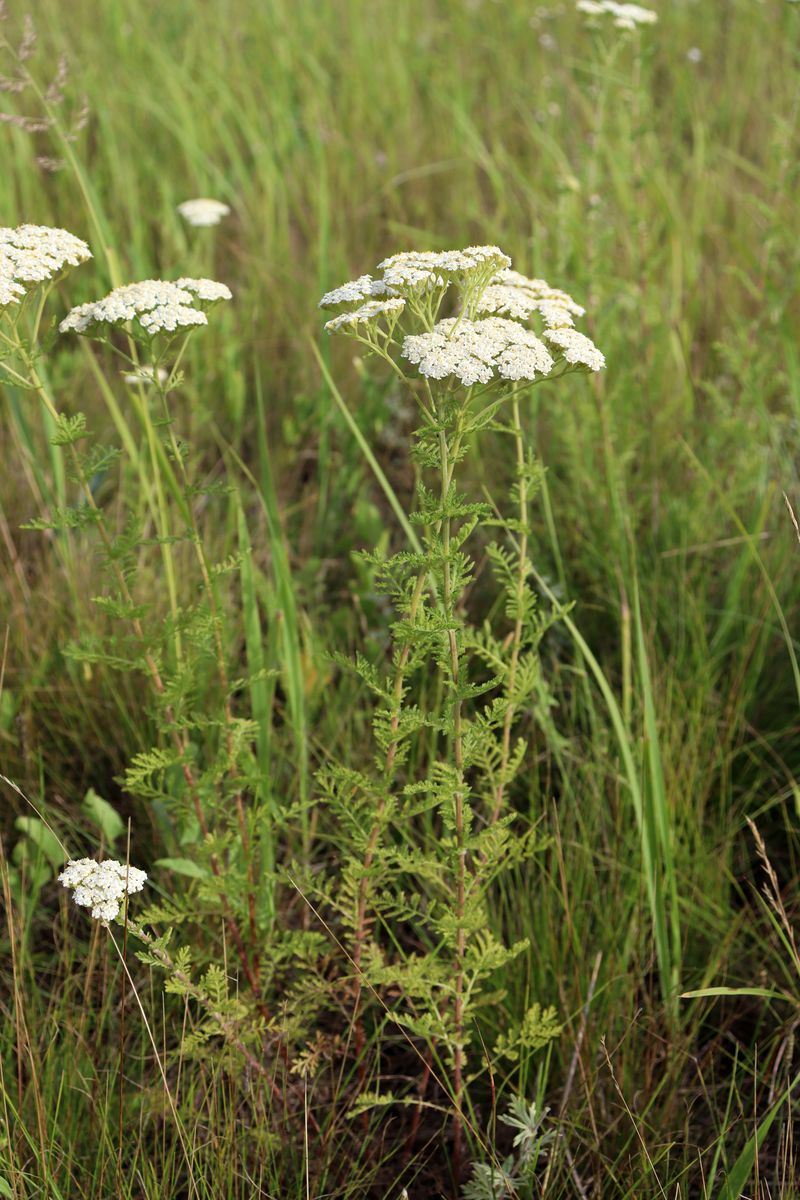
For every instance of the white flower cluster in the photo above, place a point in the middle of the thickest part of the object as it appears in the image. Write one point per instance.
(450, 262)
(366, 312)
(354, 292)
(415, 272)
(427, 269)
(515, 295)
(33, 254)
(490, 338)
(576, 348)
(155, 305)
(203, 212)
(626, 16)
(101, 886)
(474, 351)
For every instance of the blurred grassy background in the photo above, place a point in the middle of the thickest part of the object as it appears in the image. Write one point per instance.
(658, 183)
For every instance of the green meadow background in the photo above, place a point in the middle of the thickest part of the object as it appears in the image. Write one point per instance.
(660, 188)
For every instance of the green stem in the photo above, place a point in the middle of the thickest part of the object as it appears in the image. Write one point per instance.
(461, 854)
(222, 670)
(522, 571)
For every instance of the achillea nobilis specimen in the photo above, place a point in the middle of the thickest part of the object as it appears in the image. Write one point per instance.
(101, 886)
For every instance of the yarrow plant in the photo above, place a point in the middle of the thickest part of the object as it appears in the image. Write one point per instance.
(466, 335)
(147, 325)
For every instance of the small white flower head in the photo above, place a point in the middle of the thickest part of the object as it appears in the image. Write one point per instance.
(508, 301)
(625, 16)
(207, 291)
(34, 254)
(101, 886)
(554, 314)
(146, 375)
(421, 270)
(477, 351)
(11, 291)
(151, 306)
(694, 54)
(576, 348)
(203, 212)
(409, 279)
(355, 292)
(537, 290)
(366, 314)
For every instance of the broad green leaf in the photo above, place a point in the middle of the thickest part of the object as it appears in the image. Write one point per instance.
(43, 838)
(183, 866)
(101, 814)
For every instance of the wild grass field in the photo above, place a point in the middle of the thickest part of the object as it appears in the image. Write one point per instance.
(311, 1029)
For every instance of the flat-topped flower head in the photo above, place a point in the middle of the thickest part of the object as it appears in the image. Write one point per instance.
(11, 291)
(355, 292)
(625, 16)
(34, 254)
(536, 290)
(409, 279)
(514, 295)
(449, 262)
(202, 211)
(366, 314)
(101, 886)
(149, 307)
(207, 291)
(478, 351)
(576, 348)
(417, 271)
